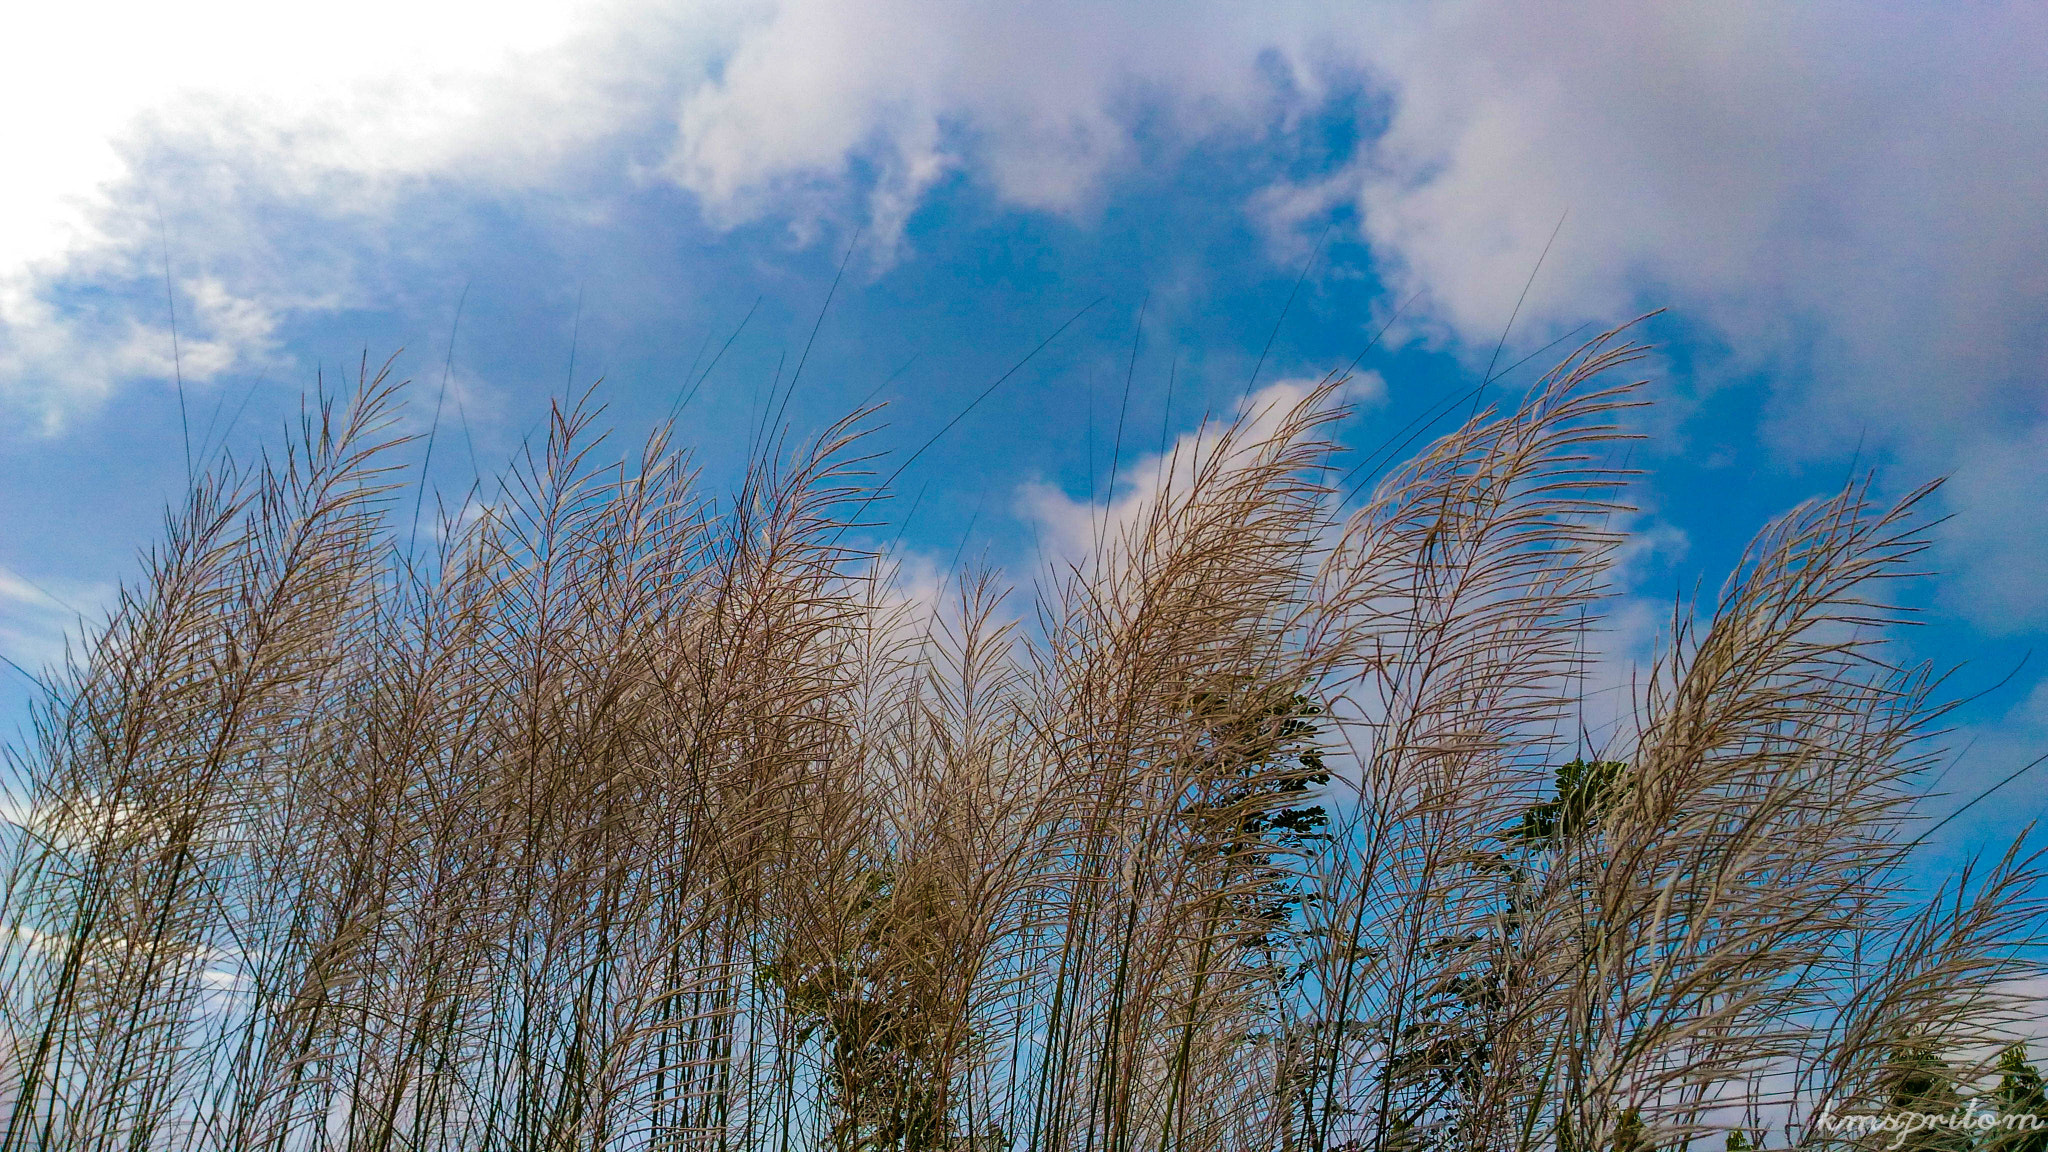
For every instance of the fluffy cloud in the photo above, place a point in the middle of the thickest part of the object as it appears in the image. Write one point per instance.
(35, 623)
(51, 363)
(377, 88)
(1071, 533)
(1855, 194)
(1036, 100)
(141, 135)
(1850, 197)
(1999, 491)
(1864, 186)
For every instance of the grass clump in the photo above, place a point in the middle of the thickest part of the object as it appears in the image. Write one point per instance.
(634, 818)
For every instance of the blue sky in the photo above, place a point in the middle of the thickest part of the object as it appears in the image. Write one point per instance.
(1844, 211)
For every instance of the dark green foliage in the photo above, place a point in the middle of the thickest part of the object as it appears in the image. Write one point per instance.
(870, 1004)
(1585, 791)
(1256, 808)
(1923, 1084)
(1447, 1050)
(2019, 1094)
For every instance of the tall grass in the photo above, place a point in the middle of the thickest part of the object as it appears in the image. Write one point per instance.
(632, 817)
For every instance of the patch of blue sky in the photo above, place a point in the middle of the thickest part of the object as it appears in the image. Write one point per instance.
(602, 270)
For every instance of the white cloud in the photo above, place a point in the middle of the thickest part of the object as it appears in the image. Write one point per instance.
(1818, 180)
(51, 363)
(2000, 495)
(1070, 532)
(37, 617)
(1035, 98)
(1851, 197)
(381, 86)
(144, 134)
(1830, 187)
